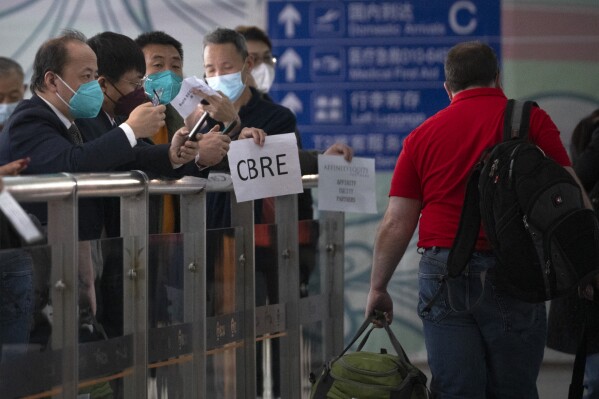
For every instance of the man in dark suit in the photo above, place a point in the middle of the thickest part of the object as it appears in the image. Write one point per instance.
(121, 68)
(64, 89)
(42, 128)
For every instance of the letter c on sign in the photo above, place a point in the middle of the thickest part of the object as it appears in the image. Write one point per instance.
(239, 170)
(453, 17)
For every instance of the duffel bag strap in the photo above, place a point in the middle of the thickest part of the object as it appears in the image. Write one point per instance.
(394, 341)
(396, 345)
(325, 381)
(359, 333)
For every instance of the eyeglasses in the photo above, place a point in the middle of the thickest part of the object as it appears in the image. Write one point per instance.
(137, 85)
(266, 58)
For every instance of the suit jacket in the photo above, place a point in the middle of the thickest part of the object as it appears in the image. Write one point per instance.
(152, 159)
(35, 131)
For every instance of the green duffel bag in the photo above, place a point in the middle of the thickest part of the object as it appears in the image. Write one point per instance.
(367, 375)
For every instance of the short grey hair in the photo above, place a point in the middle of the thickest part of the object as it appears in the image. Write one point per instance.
(224, 36)
(8, 66)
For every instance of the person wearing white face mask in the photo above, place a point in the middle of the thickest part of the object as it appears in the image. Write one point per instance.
(12, 87)
(228, 69)
(260, 49)
(262, 77)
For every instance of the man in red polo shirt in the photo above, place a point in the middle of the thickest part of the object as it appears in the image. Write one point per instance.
(495, 349)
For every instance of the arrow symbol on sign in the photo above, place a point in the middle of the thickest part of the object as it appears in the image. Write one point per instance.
(290, 60)
(293, 103)
(289, 16)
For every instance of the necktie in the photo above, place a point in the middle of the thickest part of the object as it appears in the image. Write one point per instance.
(75, 134)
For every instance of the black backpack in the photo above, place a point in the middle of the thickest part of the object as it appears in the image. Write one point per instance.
(546, 242)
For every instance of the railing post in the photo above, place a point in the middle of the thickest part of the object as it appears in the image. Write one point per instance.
(332, 244)
(63, 237)
(134, 230)
(242, 215)
(193, 227)
(289, 294)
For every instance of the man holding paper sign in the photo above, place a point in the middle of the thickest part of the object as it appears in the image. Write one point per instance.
(227, 67)
(267, 171)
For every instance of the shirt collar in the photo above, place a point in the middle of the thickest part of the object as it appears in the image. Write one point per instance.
(478, 92)
(64, 119)
(110, 119)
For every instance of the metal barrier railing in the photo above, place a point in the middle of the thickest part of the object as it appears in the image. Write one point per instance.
(68, 366)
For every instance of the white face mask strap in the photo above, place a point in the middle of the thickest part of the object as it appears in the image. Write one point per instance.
(66, 84)
(241, 73)
(61, 99)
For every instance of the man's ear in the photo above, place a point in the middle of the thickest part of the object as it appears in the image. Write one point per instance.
(498, 81)
(102, 81)
(249, 63)
(50, 81)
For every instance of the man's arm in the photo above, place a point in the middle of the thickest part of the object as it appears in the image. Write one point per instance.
(587, 162)
(392, 238)
(585, 197)
(586, 291)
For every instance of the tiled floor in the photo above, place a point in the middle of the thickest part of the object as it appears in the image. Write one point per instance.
(553, 381)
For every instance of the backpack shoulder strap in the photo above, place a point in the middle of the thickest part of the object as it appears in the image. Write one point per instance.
(576, 388)
(516, 120)
(465, 239)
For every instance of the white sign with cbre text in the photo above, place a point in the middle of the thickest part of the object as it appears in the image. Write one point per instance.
(268, 171)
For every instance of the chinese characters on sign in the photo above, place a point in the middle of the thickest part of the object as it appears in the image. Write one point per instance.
(368, 72)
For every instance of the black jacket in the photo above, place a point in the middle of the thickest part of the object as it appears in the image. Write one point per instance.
(35, 131)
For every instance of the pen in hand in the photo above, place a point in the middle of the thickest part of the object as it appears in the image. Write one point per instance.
(156, 98)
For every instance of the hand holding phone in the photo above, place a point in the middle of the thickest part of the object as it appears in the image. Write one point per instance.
(195, 131)
(193, 135)
(230, 127)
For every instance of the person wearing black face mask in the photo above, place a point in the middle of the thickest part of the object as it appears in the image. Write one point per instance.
(120, 75)
(128, 102)
(121, 68)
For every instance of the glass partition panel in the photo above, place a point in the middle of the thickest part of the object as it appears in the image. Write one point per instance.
(310, 271)
(314, 303)
(225, 318)
(105, 354)
(269, 314)
(267, 264)
(28, 365)
(169, 340)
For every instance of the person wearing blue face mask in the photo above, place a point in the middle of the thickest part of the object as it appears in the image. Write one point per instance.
(163, 86)
(164, 73)
(12, 87)
(163, 56)
(227, 67)
(42, 128)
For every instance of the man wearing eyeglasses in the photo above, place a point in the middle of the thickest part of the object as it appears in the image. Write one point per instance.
(121, 68)
(260, 49)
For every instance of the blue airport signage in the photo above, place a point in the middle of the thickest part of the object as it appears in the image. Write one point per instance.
(368, 72)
